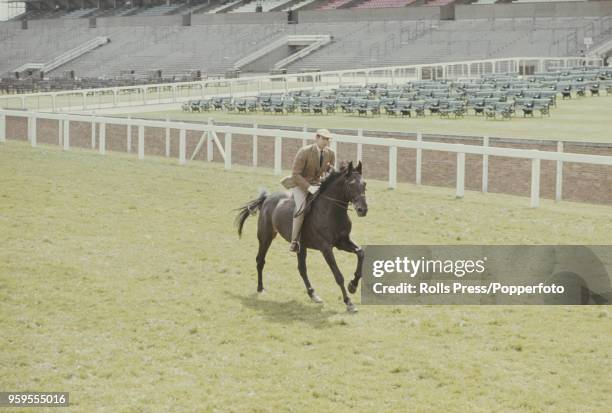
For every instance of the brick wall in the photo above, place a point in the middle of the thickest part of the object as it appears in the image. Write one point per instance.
(581, 182)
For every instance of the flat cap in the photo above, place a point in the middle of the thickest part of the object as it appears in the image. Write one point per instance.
(324, 132)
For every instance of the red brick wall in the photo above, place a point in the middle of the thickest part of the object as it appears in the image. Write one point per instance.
(581, 182)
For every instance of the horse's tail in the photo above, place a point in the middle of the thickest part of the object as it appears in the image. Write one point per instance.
(250, 208)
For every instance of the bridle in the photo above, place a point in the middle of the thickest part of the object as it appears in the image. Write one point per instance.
(340, 203)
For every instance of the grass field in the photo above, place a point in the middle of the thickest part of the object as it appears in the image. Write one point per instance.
(580, 119)
(124, 283)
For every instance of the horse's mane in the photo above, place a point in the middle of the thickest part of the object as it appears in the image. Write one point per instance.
(329, 179)
(335, 174)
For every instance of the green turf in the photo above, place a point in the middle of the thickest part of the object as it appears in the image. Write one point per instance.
(124, 283)
(580, 119)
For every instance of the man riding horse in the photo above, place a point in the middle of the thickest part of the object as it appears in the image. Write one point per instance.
(310, 164)
(326, 224)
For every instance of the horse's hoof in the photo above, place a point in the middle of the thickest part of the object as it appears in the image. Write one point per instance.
(350, 308)
(316, 299)
(352, 287)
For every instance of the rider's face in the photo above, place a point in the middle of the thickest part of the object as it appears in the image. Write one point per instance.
(322, 141)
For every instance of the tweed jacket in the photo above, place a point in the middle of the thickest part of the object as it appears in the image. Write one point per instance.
(306, 170)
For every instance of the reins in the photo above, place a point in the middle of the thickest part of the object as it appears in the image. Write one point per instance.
(339, 203)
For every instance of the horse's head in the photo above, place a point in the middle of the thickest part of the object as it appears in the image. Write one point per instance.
(354, 188)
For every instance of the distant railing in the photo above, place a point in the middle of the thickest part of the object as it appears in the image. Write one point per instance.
(74, 53)
(210, 138)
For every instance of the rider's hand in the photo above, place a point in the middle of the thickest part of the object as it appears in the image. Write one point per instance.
(313, 189)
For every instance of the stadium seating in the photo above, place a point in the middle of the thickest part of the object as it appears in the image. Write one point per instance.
(78, 13)
(128, 11)
(377, 4)
(298, 5)
(438, 2)
(334, 4)
(389, 43)
(500, 97)
(141, 48)
(267, 5)
(542, 1)
(214, 48)
(159, 10)
(223, 6)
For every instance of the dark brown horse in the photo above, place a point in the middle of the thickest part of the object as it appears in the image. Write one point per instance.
(326, 225)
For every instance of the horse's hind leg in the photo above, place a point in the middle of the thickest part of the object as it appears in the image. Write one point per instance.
(265, 237)
(302, 268)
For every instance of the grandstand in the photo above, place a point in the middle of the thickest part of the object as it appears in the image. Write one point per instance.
(50, 9)
(212, 36)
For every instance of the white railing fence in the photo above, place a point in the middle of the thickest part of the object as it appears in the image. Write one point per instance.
(152, 94)
(210, 130)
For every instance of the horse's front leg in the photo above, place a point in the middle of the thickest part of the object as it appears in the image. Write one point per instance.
(331, 261)
(347, 245)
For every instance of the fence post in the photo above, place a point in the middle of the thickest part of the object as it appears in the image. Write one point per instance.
(460, 174)
(228, 150)
(559, 180)
(129, 135)
(278, 148)
(32, 128)
(360, 146)
(535, 183)
(66, 134)
(419, 156)
(60, 133)
(392, 167)
(93, 132)
(182, 146)
(485, 166)
(2, 127)
(334, 147)
(167, 139)
(209, 143)
(29, 128)
(102, 138)
(304, 140)
(141, 142)
(255, 144)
